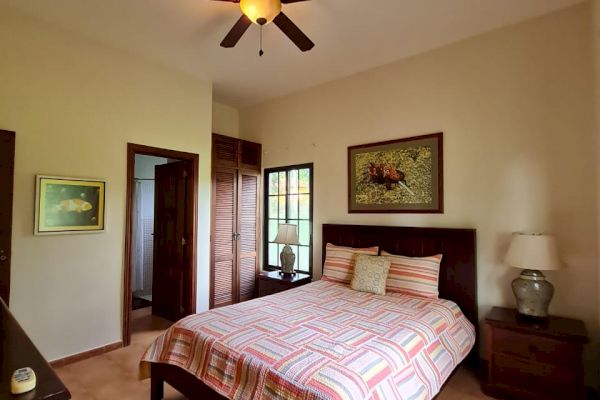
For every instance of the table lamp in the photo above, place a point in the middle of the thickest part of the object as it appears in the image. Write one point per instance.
(287, 234)
(533, 253)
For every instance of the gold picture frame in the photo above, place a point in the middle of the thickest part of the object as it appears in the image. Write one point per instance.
(69, 205)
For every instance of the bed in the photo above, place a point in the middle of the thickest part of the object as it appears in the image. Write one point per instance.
(326, 341)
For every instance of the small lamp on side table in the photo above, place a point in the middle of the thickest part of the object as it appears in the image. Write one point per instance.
(533, 253)
(287, 235)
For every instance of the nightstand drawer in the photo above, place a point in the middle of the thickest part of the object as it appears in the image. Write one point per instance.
(552, 381)
(541, 349)
(273, 282)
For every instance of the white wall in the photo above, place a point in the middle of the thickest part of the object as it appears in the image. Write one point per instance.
(144, 166)
(226, 120)
(515, 106)
(74, 106)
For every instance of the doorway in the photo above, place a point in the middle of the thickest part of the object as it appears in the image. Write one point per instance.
(160, 239)
(7, 168)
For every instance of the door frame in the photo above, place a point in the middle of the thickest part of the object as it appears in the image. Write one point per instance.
(191, 221)
(10, 204)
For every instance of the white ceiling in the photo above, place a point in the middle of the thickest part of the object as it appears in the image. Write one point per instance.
(350, 35)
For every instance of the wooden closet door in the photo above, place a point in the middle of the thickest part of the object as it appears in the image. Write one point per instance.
(248, 242)
(224, 287)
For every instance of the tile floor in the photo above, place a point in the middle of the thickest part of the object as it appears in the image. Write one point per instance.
(113, 376)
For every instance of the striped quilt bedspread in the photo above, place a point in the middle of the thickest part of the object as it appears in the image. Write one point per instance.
(320, 341)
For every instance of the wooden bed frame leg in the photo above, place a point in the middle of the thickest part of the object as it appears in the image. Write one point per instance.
(156, 386)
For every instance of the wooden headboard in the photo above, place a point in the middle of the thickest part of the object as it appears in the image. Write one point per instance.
(458, 271)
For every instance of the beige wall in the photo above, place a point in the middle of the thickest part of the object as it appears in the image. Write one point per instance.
(226, 120)
(515, 106)
(596, 31)
(74, 106)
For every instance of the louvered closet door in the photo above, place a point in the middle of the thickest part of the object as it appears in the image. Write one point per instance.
(248, 234)
(224, 285)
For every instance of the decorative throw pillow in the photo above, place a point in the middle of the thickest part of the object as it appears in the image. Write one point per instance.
(417, 276)
(370, 274)
(339, 261)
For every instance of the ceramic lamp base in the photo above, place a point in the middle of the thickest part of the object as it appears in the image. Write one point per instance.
(533, 293)
(288, 258)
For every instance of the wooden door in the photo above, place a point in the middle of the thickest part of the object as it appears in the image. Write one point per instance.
(224, 286)
(169, 240)
(7, 161)
(248, 238)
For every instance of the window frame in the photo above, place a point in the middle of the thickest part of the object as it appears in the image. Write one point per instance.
(286, 169)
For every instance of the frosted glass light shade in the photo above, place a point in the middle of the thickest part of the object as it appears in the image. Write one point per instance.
(532, 251)
(255, 9)
(287, 234)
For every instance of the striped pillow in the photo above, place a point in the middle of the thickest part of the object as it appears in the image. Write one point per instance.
(418, 276)
(339, 262)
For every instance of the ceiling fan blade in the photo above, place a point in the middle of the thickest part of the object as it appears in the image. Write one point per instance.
(293, 32)
(289, 1)
(236, 32)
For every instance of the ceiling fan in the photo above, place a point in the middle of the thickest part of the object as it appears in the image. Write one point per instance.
(262, 12)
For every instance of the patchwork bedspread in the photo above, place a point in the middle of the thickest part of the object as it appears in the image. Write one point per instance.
(320, 341)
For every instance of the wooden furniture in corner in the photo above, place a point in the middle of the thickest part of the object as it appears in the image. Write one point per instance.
(533, 360)
(271, 282)
(17, 351)
(235, 233)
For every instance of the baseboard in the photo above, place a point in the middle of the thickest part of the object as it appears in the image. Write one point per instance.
(61, 362)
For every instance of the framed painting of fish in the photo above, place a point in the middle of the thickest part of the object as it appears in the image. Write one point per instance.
(69, 205)
(397, 176)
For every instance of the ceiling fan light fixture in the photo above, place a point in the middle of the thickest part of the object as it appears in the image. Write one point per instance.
(259, 11)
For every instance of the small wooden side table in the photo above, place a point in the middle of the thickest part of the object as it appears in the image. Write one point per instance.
(534, 360)
(271, 282)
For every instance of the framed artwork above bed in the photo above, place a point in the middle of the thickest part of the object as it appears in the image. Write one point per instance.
(397, 176)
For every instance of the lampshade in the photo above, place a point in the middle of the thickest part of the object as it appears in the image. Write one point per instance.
(287, 234)
(533, 251)
(255, 9)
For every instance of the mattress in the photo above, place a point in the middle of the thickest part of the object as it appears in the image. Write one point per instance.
(320, 341)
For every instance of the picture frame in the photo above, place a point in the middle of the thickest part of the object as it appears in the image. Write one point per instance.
(397, 176)
(66, 205)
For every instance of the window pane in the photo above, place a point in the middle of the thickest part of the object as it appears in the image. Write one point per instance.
(304, 259)
(304, 181)
(304, 206)
(273, 255)
(273, 226)
(273, 207)
(282, 183)
(304, 232)
(293, 177)
(282, 207)
(289, 202)
(273, 182)
(293, 206)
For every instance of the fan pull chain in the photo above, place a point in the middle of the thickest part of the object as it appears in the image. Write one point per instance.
(261, 52)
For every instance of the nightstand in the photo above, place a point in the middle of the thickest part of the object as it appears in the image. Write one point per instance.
(271, 282)
(534, 360)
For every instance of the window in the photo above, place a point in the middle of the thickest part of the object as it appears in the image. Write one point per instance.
(288, 200)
